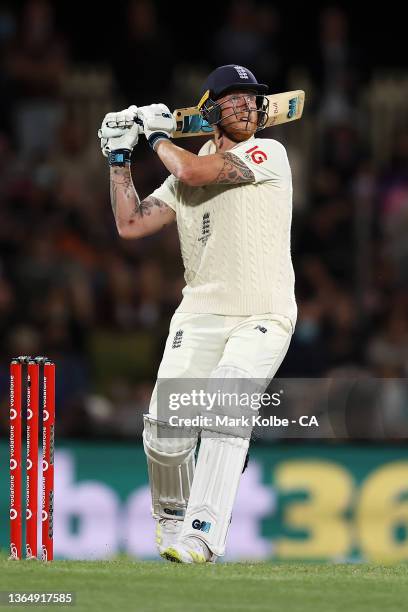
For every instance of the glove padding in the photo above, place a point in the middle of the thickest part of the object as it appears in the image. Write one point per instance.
(158, 122)
(119, 131)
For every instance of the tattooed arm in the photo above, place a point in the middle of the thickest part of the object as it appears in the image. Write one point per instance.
(233, 171)
(136, 218)
(197, 170)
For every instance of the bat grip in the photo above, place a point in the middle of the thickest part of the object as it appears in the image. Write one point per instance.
(139, 122)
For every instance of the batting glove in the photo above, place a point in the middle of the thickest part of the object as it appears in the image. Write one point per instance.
(158, 123)
(119, 133)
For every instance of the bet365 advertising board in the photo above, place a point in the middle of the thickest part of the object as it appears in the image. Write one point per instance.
(295, 502)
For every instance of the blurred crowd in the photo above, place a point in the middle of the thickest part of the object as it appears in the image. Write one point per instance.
(99, 305)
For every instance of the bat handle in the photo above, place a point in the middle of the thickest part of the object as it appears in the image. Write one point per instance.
(139, 122)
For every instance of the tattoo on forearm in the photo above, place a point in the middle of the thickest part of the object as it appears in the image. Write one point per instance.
(127, 204)
(147, 205)
(234, 171)
(121, 176)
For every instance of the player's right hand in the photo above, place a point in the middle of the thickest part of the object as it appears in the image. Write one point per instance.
(158, 123)
(119, 131)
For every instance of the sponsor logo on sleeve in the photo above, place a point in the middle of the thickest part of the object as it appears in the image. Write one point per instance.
(256, 155)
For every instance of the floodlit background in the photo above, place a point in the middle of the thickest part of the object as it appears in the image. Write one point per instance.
(100, 306)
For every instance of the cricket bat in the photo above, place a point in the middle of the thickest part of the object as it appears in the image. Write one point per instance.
(283, 107)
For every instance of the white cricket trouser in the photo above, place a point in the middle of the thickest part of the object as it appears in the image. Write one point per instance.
(199, 343)
(208, 346)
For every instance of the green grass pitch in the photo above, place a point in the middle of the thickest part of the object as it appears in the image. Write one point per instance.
(124, 584)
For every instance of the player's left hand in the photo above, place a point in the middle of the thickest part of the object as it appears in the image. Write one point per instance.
(119, 131)
(158, 123)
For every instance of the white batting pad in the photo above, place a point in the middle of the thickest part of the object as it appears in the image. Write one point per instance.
(218, 470)
(170, 460)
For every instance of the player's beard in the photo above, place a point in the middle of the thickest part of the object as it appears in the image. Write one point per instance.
(239, 134)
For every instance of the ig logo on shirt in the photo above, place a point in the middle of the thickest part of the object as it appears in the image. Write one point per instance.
(256, 155)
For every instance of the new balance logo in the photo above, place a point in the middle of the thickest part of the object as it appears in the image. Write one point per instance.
(242, 73)
(177, 339)
(261, 329)
(201, 525)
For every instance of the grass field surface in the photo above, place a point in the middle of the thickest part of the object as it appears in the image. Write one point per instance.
(125, 584)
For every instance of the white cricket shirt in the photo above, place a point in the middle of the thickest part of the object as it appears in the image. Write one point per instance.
(235, 239)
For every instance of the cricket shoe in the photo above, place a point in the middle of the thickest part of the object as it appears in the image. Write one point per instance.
(190, 550)
(167, 533)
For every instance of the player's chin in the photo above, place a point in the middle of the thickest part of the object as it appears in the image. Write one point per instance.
(242, 132)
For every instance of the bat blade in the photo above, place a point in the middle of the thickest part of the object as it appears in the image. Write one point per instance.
(283, 107)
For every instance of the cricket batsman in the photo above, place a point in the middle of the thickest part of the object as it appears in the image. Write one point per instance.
(233, 207)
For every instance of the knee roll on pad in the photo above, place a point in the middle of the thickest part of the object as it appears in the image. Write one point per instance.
(229, 384)
(170, 461)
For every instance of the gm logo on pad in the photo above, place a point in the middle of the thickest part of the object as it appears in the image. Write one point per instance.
(201, 525)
